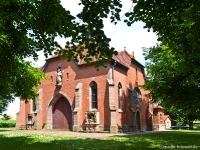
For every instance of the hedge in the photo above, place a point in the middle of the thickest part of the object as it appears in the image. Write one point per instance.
(7, 124)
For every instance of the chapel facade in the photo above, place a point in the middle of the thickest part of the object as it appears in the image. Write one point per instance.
(77, 97)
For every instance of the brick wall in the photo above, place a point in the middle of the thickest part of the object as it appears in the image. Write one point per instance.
(73, 74)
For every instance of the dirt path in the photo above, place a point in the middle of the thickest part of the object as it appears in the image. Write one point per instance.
(76, 134)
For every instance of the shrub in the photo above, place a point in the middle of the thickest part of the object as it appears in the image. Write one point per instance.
(7, 124)
(6, 117)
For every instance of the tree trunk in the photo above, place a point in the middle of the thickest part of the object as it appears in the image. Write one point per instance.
(191, 119)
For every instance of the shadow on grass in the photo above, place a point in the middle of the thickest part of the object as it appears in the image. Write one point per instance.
(21, 141)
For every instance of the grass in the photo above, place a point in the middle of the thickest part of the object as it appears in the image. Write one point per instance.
(7, 129)
(13, 117)
(8, 121)
(186, 130)
(196, 124)
(12, 120)
(159, 140)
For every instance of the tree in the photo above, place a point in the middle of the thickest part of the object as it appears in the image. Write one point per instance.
(6, 117)
(3, 105)
(29, 26)
(32, 25)
(174, 66)
(178, 115)
(176, 24)
(169, 84)
(18, 79)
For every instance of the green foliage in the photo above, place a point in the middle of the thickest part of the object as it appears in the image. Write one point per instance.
(196, 124)
(175, 23)
(177, 90)
(136, 141)
(7, 121)
(173, 67)
(3, 105)
(178, 115)
(177, 26)
(18, 79)
(6, 117)
(29, 26)
(7, 124)
(26, 27)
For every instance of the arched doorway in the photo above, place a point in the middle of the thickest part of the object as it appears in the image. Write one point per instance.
(138, 121)
(62, 114)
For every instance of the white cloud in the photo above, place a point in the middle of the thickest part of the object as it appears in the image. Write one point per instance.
(72, 5)
(14, 107)
(134, 41)
(133, 37)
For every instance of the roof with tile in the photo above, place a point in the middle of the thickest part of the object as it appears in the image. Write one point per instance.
(158, 107)
(166, 116)
(123, 58)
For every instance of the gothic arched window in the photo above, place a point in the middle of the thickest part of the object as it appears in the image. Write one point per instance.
(119, 96)
(33, 105)
(93, 89)
(137, 96)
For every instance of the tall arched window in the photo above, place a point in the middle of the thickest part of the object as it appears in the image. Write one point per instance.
(137, 96)
(33, 105)
(93, 87)
(119, 96)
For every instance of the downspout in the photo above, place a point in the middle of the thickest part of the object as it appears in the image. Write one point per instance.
(113, 70)
(151, 116)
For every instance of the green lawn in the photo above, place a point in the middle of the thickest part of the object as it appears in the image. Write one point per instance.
(7, 123)
(7, 129)
(13, 117)
(12, 120)
(160, 140)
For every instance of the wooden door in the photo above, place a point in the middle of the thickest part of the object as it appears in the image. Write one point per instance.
(62, 114)
(138, 121)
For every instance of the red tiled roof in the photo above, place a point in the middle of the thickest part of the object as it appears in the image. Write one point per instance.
(158, 107)
(81, 61)
(123, 58)
(84, 53)
(165, 117)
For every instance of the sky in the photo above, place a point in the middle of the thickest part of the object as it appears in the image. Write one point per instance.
(133, 38)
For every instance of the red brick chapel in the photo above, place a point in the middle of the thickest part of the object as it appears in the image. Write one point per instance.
(77, 97)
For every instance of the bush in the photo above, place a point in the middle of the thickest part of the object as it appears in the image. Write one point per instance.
(198, 127)
(7, 124)
(5, 117)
